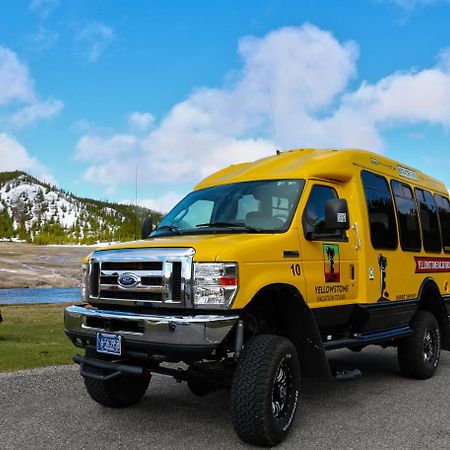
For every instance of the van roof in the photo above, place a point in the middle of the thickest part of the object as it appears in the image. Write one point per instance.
(324, 164)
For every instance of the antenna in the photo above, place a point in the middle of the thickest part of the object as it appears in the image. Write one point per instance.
(136, 203)
(274, 128)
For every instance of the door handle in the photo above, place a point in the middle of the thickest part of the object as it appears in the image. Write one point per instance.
(358, 236)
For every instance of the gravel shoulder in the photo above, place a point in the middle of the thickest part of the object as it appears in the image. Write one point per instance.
(49, 408)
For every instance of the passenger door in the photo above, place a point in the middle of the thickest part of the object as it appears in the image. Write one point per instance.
(330, 262)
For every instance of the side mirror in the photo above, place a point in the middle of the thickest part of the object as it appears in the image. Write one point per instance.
(336, 214)
(147, 227)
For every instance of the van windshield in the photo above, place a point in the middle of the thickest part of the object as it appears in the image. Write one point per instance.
(249, 207)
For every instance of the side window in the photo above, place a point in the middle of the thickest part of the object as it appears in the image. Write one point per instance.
(383, 228)
(314, 213)
(408, 221)
(443, 206)
(429, 223)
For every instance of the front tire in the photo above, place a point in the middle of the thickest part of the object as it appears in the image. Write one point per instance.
(419, 353)
(118, 392)
(265, 390)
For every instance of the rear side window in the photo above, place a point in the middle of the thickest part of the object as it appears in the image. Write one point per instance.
(429, 223)
(408, 221)
(443, 207)
(383, 228)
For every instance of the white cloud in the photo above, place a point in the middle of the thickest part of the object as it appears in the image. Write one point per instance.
(409, 8)
(411, 97)
(300, 77)
(35, 112)
(303, 69)
(139, 121)
(43, 39)
(20, 106)
(13, 156)
(162, 204)
(93, 40)
(444, 59)
(16, 84)
(410, 5)
(43, 8)
(94, 148)
(84, 126)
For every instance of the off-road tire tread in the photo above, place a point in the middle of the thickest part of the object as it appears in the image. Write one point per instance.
(252, 384)
(410, 349)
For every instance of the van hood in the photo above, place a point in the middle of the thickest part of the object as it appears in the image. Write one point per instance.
(222, 247)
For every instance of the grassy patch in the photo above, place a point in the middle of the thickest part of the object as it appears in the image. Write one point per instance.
(33, 336)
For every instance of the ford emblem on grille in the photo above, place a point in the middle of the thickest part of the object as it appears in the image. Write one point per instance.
(128, 280)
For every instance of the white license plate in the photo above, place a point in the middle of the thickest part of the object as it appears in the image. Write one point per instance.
(109, 343)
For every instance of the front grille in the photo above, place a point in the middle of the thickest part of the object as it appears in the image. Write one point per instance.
(109, 280)
(151, 281)
(131, 295)
(176, 282)
(162, 281)
(135, 265)
(93, 279)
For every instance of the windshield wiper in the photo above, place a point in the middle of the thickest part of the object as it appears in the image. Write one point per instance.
(229, 225)
(170, 228)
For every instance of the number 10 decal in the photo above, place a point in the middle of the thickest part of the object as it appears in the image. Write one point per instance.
(295, 268)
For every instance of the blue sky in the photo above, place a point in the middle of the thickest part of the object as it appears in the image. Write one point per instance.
(91, 89)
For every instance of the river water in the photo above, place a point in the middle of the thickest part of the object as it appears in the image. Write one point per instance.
(44, 295)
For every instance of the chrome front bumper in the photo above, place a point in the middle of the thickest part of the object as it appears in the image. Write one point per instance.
(158, 330)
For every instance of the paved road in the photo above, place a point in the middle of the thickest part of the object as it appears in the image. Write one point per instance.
(48, 408)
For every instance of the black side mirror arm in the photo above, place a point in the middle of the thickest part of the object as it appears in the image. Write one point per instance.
(147, 227)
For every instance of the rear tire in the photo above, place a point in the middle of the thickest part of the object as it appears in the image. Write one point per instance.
(265, 390)
(419, 353)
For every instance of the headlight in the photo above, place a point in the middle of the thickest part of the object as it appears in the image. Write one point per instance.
(84, 282)
(215, 284)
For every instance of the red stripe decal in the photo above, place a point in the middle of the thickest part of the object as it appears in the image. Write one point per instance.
(432, 265)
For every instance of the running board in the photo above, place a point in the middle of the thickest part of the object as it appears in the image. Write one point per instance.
(368, 338)
(344, 375)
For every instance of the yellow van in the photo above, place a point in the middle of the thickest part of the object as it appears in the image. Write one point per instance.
(259, 271)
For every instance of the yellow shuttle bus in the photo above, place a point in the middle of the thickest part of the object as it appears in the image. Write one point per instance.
(254, 275)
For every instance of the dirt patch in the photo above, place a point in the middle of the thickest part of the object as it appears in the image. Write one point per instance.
(26, 265)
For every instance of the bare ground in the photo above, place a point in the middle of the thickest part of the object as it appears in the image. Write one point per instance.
(31, 266)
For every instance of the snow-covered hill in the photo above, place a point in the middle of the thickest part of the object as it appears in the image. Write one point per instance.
(35, 211)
